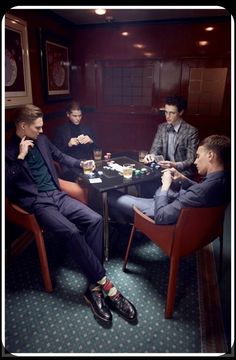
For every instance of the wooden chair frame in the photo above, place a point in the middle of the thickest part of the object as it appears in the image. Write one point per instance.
(16, 215)
(196, 227)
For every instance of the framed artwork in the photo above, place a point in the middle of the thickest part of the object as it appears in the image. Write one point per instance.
(17, 66)
(55, 67)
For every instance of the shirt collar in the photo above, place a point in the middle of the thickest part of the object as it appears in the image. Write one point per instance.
(215, 175)
(177, 125)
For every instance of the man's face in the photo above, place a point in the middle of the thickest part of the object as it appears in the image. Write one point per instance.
(202, 160)
(33, 130)
(75, 116)
(172, 114)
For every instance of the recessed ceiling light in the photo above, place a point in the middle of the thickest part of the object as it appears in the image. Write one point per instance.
(100, 11)
(203, 43)
(139, 46)
(125, 33)
(148, 54)
(209, 28)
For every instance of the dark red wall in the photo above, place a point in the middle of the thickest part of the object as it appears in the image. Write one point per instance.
(175, 52)
(36, 20)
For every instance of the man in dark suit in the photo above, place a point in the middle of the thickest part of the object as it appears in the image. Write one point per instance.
(32, 183)
(74, 138)
(212, 162)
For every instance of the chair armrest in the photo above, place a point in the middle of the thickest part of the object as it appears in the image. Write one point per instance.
(142, 215)
(161, 235)
(14, 209)
(18, 216)
(77, 191)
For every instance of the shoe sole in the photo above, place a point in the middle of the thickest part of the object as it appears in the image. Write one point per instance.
(94, 312)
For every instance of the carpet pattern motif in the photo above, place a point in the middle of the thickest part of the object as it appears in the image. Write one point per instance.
(61, 322)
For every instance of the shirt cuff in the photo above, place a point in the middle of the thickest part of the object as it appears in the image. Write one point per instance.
(78, 163)
(163, 192)
(20, 161)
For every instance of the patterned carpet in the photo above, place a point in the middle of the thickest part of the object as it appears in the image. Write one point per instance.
(37, 322)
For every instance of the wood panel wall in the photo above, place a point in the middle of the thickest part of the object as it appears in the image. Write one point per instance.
(174, 47)
(36, 20)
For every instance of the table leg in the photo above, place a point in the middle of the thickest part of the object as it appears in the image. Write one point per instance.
(106, 224)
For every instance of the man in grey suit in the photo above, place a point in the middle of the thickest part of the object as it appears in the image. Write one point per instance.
(212, 162)
(175, 140)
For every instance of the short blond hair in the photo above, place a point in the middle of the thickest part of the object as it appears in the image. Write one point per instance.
(220, 145)
(28, 113)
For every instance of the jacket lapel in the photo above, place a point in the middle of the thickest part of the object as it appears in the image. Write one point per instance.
(14, 152)
(180, 134)
(43, 149)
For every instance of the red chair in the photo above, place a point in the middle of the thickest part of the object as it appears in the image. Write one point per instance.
(196, 227)
(22, 218)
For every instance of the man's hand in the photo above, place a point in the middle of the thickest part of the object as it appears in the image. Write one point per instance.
(89, 163)
(166, 180)
(85, 139)
(81, 139)
(167, 164)
(24, 147)
(148, 158)
(175, 174)
(73, 142)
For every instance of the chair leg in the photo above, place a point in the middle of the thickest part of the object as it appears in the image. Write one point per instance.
(43, 262)
(174, 264)
(221, 257)
(128, 247)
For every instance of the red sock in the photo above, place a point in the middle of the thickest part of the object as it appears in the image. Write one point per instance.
(108, 287)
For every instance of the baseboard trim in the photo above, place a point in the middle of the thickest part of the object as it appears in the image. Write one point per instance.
(211, 320)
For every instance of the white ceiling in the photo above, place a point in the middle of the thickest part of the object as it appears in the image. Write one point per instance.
(80, 16)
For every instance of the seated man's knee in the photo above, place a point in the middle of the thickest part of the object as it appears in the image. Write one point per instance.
(96, 218)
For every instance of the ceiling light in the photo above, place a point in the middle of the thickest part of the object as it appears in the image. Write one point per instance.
(203, 43)
(209, 28)
(148, 54)
(125, 33)
(100, 11)
(139, 46)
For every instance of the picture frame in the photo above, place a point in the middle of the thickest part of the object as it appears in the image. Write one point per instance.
(55, 63)
(18, 89)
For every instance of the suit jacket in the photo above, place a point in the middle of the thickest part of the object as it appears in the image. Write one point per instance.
(213, 191)
(20, 185)
(185, 146)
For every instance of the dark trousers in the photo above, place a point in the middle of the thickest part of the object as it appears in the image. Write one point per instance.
(82, 228)
(148, 189)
